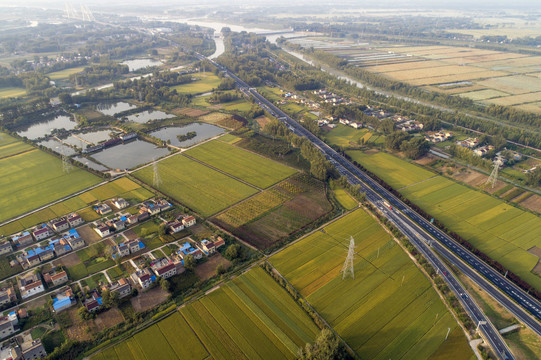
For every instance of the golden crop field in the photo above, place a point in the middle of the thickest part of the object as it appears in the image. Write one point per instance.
(491, 77)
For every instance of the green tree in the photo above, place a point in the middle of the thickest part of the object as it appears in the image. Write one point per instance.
(533, 178)
(233, 251)
(164, 284)
(189, 262)
(415, 148)
(326, 347)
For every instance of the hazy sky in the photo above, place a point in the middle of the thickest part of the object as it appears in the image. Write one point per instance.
(454, 4)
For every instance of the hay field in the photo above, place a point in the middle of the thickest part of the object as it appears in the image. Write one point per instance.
(388, 310)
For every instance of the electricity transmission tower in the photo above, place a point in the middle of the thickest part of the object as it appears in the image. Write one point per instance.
(494, 175)
(348, 264)
(156, 181)
(66, 165)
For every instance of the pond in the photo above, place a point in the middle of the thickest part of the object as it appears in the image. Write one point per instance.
(58, 147)
(91, 164)
(114, 108)
(148, 115)
(129, 155)
(137, 64)
(204, 132)
(45, 127)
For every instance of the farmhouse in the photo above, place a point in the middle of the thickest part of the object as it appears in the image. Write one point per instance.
(7, 326)
(176, 227)
(120, 203)
(188, 221)
(5, 247)
(46, 254)
(22, 239)
(207, 247)
(33, 349)
(103, 209)
(102, 230)
(32, 260)
(41, 233)
(144, 278)
(188, 249)
(75, 220)
(119, 225)
(143, 216)
(63, 300)
(74, 240)
(7, 295)
(60, 247)
(122, 287)
(29, 285)
(166, 268)
(60, 225)
(94, 303)
(219, 242)
(55, 278)
(132, 219)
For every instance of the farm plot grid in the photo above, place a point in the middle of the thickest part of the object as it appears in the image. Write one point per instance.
(389, 310)
(252, 168)
(250, 317)
(34, 178)
(487, 223)
(497, 77)
(199, 187)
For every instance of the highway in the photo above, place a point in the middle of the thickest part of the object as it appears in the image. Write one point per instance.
(426, 237)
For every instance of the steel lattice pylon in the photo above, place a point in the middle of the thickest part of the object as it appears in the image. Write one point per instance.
(348, 264)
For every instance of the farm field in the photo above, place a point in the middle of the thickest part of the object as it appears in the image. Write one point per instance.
(388, 310)
(122, 187)
(346, 136)
(7, 92)
(205, 83)
(394, 171)
(502, 231)
(20, 185)
(65, 74)
(243, 164)
(250, 317)
(10, 146)
(199, 187)
(493, 77)
(265, 218)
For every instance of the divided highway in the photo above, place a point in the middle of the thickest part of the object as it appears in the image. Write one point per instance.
(426, 237)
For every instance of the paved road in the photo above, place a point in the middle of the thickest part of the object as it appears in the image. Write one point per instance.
(427, 237)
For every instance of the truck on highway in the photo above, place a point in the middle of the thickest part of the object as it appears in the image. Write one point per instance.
(387, 204)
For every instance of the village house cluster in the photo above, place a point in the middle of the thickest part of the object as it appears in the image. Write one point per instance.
(120, 221)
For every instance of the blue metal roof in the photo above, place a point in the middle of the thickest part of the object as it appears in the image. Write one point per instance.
(61, 303)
